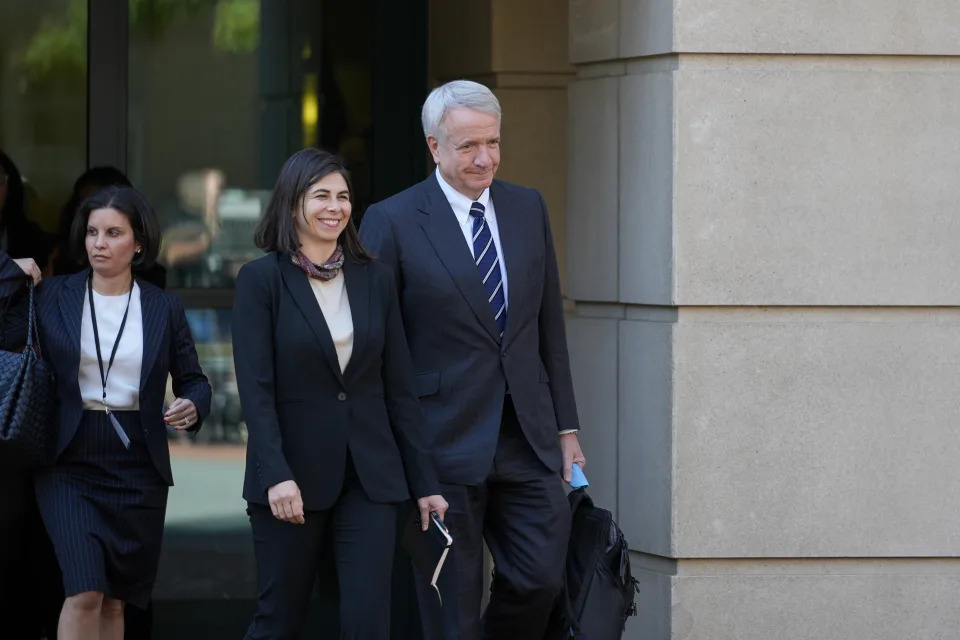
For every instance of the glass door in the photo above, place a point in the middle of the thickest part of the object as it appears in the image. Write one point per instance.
(43, 119)
(198, 103)
(218, 94)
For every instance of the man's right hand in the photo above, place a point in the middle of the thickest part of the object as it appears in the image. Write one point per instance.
(29, 267)
(285, 502)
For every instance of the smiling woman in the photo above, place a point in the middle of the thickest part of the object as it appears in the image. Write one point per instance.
(309, 212)
(324, 373)
(324, 213)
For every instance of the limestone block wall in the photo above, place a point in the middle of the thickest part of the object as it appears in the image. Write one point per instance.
(765, 341)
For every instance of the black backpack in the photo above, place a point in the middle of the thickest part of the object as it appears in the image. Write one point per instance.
(598, 588)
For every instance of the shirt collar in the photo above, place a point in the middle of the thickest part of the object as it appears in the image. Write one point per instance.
(459, 202)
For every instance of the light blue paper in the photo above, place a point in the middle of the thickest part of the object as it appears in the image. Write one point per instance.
(577, 479)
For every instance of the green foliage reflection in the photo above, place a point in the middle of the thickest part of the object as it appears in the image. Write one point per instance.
(58, 49)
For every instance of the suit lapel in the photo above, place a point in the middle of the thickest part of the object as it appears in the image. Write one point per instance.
(440, 224)
(71, 309)
(299, 286)
(153, 314)
(358, 293)
(516, 253)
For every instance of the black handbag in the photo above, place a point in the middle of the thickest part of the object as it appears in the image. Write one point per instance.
(27, 399)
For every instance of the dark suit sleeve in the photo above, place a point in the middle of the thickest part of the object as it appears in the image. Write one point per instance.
(553, 335)
(189, 381)
(14, 304)
(376, 235)
(253, 359)
(403, 406)
(12, 278)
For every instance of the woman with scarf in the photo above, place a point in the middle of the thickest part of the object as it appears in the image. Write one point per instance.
(329, 398)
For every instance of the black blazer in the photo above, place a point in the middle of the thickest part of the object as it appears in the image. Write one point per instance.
(463, 367)
(301, 413)
(168, 349)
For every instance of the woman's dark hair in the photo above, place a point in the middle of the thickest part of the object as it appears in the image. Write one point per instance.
(131, 203)
(276, 230)
(13, 209)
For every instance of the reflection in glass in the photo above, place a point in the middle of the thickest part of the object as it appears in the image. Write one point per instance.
(221, 93)
(211, 332)
(43, 105)
(193, 127)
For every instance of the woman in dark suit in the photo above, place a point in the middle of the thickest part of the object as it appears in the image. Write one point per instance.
(112, 341)
(327, 389)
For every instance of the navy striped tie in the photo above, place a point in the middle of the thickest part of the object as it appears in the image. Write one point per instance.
(488, 262)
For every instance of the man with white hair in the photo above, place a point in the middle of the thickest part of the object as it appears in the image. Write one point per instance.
(480, 296)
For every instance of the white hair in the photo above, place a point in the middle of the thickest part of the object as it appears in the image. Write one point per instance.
(459, 93)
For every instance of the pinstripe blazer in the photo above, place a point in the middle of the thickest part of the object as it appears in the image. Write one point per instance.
(168, 348)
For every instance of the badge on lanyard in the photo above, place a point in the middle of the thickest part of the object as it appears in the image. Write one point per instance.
(113, 354)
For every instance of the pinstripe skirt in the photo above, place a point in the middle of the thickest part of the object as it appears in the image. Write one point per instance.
(103, 506)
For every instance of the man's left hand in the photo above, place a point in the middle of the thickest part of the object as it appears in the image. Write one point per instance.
(572, 454)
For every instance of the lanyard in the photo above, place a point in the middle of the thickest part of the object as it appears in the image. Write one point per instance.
(96, 338)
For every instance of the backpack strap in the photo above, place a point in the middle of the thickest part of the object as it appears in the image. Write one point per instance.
(584, 501)
(577, 498)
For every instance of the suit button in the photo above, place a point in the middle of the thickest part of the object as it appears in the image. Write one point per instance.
(341, 396)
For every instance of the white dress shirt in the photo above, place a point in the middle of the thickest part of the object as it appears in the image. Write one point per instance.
(461, 208)
(123, 383)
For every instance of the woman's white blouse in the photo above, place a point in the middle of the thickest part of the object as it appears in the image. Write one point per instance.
(123, 383)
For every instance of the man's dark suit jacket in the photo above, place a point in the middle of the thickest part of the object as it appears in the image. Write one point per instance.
(463, 367)
(302, 413)
(168, 349)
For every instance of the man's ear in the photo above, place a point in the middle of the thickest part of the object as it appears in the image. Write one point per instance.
(434, 145)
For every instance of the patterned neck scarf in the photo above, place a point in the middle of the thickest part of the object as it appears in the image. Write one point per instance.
(326, 271)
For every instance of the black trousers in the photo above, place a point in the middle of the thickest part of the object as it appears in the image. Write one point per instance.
(521, 510)
(288, 557)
